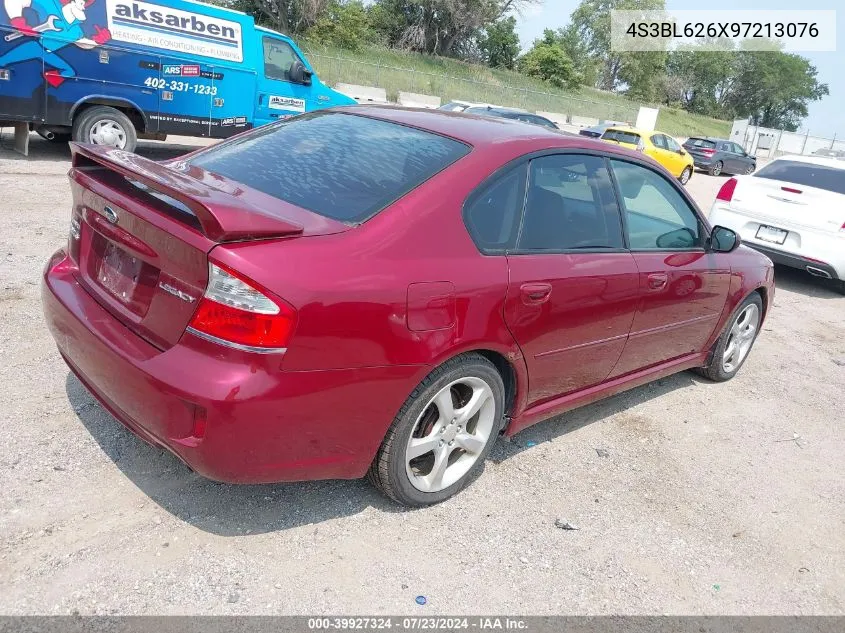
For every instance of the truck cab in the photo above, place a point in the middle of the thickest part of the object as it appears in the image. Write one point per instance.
(110, 71)
(286, 82)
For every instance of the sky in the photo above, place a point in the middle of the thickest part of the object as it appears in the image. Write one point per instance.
(826, 117)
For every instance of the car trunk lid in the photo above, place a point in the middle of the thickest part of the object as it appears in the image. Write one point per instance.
(789, 205)
(145, 231)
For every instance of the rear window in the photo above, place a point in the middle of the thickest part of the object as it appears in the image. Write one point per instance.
(806, 174)
(621, 136)
(342, 166)
(700, 142)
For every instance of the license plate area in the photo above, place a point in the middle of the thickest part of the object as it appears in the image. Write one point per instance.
(771, 234)
(125, 278)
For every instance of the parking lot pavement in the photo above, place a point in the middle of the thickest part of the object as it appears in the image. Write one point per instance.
(723, 498)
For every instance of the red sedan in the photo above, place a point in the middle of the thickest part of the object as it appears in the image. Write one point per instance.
(385, 291)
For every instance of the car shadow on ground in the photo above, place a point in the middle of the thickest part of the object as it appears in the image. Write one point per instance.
(804, 283)
(236, 510)
(42, 150)
(578, 418)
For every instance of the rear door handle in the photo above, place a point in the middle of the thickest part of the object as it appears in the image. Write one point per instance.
(535, 293)
(657, 281)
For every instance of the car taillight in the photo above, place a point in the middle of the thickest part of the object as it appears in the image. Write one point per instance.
(234, 312)
(708, 152)
(726, 193)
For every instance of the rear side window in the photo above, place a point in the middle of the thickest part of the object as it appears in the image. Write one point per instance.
(805, 174)
(621, 136)
(342, 166)
(570, 205)
(492, 215)
(702, 143)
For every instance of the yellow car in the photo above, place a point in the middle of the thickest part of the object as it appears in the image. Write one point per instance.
(661, 147)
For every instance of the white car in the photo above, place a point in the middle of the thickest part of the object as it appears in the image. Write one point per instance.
(792, 210)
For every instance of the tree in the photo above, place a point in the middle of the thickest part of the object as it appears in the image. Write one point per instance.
(706, 73)
(345, 24)
(591, 21)
(292, 17)
(500, 44)
(774, 88)
(438, 27)
(550, 63)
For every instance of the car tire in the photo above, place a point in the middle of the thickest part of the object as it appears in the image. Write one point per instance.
(106, 124)
(685, 175)
(716, 168)
(741, 331)
(750, 169)
(840, 286)
(415, 479)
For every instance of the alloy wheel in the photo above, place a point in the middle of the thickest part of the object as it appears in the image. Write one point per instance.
(450, 434)
(741, 337)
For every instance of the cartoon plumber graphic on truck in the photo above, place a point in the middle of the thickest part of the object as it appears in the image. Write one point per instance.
(59, 23)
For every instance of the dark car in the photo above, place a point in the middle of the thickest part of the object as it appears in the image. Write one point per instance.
(830, 153)
(719, 156)
(383, 291)
(596, 131)
(518, 115)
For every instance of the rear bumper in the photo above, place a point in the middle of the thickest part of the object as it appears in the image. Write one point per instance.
(231, 416)
(803, 247)
(795, 261)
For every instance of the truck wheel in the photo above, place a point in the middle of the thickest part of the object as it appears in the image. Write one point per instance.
(103, 125)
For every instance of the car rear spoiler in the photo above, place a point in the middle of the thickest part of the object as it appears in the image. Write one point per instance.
(222, 217)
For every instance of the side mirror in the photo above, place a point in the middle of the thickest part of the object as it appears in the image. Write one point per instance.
(679, 238)
(724, 240)
(681, 151)
(299, 74)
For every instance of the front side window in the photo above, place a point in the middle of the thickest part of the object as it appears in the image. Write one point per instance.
(278, 58)
(342, 166)
(671, 144)
(657, 216)
(658, 140)
(570, 205)
(492, 215)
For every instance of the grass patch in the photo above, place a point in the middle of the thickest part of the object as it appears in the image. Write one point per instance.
(452, 79)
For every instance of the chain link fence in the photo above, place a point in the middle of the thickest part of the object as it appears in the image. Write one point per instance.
(771, 142)
(392, 79)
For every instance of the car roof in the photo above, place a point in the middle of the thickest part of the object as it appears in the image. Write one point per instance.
(476, 129)
(826, 161)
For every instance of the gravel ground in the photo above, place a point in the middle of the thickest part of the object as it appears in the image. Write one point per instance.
(701, 502)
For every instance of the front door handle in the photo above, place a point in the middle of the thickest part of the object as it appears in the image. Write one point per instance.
(535, 293)
(657, 281)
